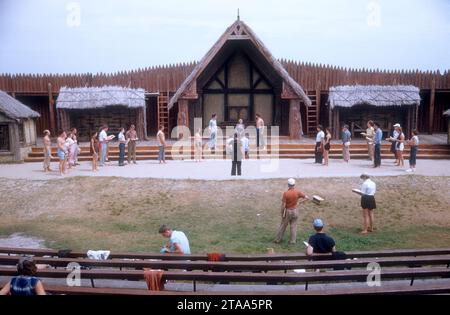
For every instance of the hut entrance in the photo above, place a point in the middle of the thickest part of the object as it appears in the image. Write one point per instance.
(4, 138)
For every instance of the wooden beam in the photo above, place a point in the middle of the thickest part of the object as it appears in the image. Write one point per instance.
(294, 119)
(51, 108)
(431, 113)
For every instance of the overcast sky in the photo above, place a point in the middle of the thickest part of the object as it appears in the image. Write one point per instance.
(58, 36)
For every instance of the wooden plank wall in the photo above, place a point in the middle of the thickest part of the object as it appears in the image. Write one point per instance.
(169, 77)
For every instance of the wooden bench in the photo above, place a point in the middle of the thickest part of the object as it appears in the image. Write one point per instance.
(241, 277)
(229, 257)
(391, 289)
(443, 260)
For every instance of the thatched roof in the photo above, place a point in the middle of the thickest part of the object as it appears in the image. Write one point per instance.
(447, 112)
(240, 31)
(375, 95)
(99, 97)
(14, 109)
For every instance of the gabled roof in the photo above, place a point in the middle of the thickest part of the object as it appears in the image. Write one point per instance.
(99, 97)
(240, 31)
(374, 95)
(14, 109)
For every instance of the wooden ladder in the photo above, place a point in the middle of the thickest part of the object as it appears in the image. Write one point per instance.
(312, 113)
(163, 112)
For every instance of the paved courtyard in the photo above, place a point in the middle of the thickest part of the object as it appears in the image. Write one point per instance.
(221, 169)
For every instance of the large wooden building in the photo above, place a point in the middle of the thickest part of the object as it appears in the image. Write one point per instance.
(237, 78)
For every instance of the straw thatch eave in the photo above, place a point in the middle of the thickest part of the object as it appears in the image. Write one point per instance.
(374, 95)
(100, 97)
(14, 109)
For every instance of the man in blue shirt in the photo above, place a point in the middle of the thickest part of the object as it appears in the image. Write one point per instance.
(178, 242)
(377, 143)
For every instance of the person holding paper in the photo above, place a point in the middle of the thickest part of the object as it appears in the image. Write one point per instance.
(320, 243)
(368, 188)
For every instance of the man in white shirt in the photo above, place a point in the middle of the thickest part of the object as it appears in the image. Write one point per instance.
(213, 132)
(178, 242)
(319, 148)
(103, 139)
(368, 188)
(246, 145)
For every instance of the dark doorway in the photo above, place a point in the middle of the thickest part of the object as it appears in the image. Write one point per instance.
(4, 138)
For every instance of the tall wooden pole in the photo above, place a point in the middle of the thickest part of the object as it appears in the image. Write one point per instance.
(431, 113)
(51, 109)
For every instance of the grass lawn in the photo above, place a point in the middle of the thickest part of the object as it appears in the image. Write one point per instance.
(227, 216)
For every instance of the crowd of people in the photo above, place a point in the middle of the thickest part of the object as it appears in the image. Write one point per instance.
(374, 137)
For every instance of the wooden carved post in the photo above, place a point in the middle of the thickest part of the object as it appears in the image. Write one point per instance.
(295, 131)
(51, 108)
(431, 117)
(183, 115)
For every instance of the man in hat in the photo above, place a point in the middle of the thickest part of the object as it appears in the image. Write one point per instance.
(320, 243)
(368, 203)
(289, 212)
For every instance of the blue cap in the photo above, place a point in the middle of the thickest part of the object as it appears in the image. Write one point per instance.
(318, 223)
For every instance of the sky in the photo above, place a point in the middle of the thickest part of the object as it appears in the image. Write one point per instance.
(59, 36)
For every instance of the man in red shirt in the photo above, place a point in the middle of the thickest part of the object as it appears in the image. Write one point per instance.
(289, 211)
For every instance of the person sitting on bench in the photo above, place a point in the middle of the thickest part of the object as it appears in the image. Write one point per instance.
(320, 243)
(26, 282)
(178, 242)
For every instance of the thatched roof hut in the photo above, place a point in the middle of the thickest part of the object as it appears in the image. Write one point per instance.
(374, 95)
(14, 109)
(239, 31)
(100, 97)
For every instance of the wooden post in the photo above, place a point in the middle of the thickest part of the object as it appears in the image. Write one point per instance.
(51, 107)
(294, 119)
(15, 141)
(318, 102)
(330, 117)
(431, 113)
(183, 114)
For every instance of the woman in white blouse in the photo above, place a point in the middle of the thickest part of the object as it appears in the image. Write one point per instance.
(368, 188)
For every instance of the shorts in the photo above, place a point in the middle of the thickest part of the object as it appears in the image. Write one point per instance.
(61, 155)
(368, 202)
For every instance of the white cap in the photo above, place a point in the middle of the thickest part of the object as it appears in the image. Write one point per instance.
(291, 182)
(397, 125)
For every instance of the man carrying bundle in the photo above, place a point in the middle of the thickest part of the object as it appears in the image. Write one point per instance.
(289, 211)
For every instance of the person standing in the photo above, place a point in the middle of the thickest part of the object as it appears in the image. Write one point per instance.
(326, 145)
(319, 145)
(414, 143)
(240, 128)
(103, 139)
(260, 142)
(178, 242)
(70, 144)
(76, 147)
(62, 152)
(94, 148)
(246, 145)
(289, 212)
(368, 203)
(162, 144)
(122, 144)
(212, 133)
(236, 152)
(132, 138)
(393, 140)
(346, 138)
(378, 136)
(198, 145)
(400, 147)
(370, 134)
(47, 151)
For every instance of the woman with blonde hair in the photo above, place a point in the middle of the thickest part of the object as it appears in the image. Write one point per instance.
(94, 148)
